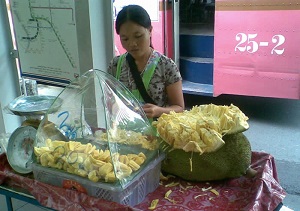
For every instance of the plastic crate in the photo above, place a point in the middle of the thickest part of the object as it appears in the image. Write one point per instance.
(146, 181)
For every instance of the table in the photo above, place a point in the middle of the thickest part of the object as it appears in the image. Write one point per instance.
(9, 193)
(263, 192)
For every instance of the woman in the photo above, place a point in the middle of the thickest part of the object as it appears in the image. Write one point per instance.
(160, 75)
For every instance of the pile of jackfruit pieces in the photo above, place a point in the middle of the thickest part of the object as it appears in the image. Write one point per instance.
(201, 129)
(128, 137)
(87, 161)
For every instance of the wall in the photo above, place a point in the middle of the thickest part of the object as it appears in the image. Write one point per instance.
(102, 33)
(102, 47)
(9, 83)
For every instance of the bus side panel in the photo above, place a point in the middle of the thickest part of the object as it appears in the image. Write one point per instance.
(257, 51)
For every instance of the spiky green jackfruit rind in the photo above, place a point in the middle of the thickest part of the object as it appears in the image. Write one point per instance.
(231, 161)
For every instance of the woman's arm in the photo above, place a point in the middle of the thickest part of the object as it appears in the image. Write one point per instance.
(175, 102)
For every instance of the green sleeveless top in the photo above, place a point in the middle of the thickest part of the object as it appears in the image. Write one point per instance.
(147, 75)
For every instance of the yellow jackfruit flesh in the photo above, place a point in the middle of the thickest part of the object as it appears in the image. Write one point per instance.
(87, 161)
(201, 129)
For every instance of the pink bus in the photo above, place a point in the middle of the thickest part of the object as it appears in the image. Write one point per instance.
(238, 47)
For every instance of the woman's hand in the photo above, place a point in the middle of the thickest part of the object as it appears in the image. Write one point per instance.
(151, 110)
(175, 101)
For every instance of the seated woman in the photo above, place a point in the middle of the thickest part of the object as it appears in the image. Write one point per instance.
(152, 77)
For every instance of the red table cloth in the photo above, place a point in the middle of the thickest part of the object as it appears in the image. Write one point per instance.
(261, 193)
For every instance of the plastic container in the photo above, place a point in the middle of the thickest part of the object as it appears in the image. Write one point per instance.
(97, 113)
(146, 181)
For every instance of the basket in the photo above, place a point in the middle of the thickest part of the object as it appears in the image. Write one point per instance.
(146, 181)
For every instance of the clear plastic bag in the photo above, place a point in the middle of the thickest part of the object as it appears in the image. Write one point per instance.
(4, 137)
(99, 132)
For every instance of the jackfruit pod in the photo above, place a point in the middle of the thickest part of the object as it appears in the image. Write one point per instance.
(80, 148)
(105, 156)
(133, 165)
(57, 165)
(89, 148)
(38, 151)
(96, 162)
(110, 177)
(124, 159)
(73, 145)
(71, 169)
(124, 170)
(88, 165)
(46, 158)
(105, 169)
(142, 155)
(55, 144)
(93, 176)
(192, 146)
(132, 156)
(139, 160)
(81, 172)
(95, 153)
(212, 139)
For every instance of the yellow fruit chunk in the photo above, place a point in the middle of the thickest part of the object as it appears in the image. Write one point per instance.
(153, 204)
(214, 191)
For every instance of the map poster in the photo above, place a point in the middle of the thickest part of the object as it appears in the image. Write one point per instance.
(53, 39)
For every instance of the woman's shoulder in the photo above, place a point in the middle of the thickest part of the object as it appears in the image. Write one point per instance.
(166, 60)
(116, 59)
(169, 68)
(112, 67)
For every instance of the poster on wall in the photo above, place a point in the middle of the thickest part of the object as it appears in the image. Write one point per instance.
(156, 13)
(256, 51)
(53, 39)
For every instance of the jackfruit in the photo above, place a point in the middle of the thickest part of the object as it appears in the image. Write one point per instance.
(201, 128)
(231, 161)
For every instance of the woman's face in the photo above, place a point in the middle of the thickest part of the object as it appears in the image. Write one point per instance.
(135, 39)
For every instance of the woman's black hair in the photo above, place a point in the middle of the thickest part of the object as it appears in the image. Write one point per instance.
(136, 14)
